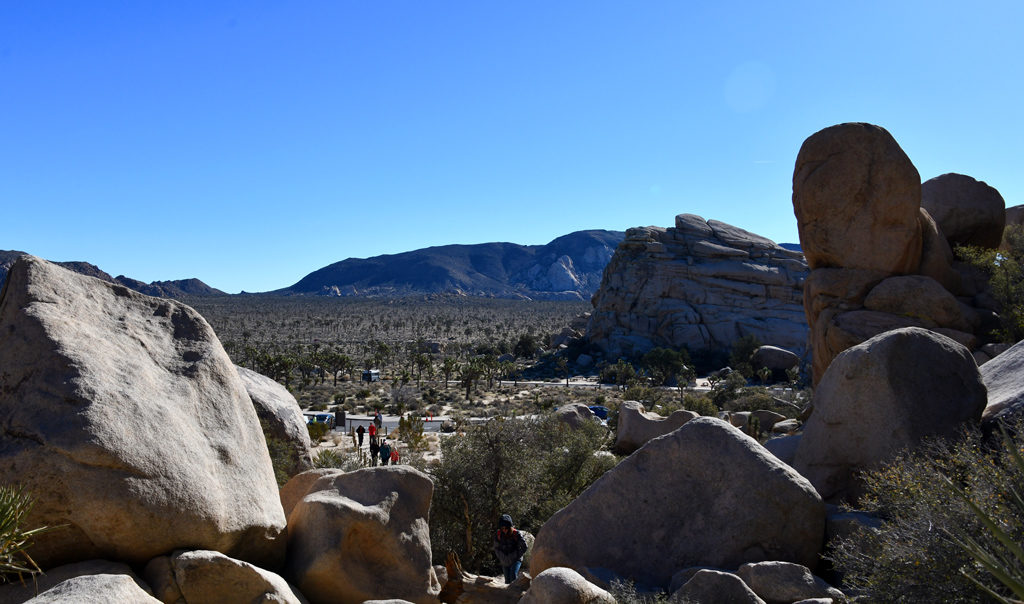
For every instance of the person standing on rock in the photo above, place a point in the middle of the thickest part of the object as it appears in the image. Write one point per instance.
(385, 452)
(509, 547)
(374, 447)
(360, 431)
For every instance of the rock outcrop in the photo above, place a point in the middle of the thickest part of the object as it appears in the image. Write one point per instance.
(1004, 379)
(197, 576)
(880, 397)
(703, 285)
(363, 535)
(564, 586)
(968, 211)
(637, 426)
(126, 421)
(879, 260)
(281, 418)
(741, 505)
(17, 592)
(96, 589)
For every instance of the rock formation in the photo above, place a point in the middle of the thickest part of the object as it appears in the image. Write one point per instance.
(363, 535)
(280, 416)
(564, 586)
(1004, 380)
(880, 397)
(968, 211)
(879, 261)
(740, 504)
(636, 427)
(703, 285)
(192, 577)
(123, 416)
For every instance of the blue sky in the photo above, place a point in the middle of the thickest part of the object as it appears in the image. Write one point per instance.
(249, 143)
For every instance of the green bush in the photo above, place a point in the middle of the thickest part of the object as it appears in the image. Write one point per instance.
(15, 541)
(917, 554)
(523, 467)
(331, 458)
(1005, 270)
(699, 403)
(317, 431)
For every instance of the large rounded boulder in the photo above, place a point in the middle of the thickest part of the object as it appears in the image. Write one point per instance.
(703, 495)
(281, 419)
(968, 211)
(882, 396)
(363, 535)
(856, 196)
(126, 420)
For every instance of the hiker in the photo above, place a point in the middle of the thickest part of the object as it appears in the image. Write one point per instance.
(360, 431)
(509, 547)
(385, 452)
(378, 420)
(395, 456)
(374, 448)
(373, 431)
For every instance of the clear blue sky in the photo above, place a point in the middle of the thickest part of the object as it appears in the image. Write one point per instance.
(249, 143)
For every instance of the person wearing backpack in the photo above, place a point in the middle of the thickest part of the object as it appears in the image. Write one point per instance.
(509, 547)
(385, 452)
(374, 449)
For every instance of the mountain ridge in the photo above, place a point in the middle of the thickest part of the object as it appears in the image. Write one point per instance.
(569, 267)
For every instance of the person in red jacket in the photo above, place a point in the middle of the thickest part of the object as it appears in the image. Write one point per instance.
(509, 547)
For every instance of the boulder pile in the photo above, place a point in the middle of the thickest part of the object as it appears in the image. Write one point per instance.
(703, 284)
(878, 243)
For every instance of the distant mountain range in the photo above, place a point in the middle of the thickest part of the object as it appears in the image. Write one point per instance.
(568, 268)
(162, 289)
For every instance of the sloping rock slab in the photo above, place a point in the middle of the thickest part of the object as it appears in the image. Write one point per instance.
(96, 589)
(1004, 379)
(711, 496)
(126, 420)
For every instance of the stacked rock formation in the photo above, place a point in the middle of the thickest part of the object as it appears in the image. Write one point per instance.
(879, 258)
(703, 285)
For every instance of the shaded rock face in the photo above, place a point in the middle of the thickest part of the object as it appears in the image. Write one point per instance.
(280, 416)
(1004, 379)
(702, 284)
(741, 504)
(968, 211)
(363, 535)
(882, 396)
(636, 427)
(17, 592)
(124, 418)
(575, 414)
(879, 260)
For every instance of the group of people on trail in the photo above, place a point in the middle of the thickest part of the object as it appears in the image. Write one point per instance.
(379, 447)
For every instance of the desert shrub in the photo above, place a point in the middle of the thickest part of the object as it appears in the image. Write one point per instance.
(699, 403)
(410, 431)
(625, 592)
(645, 394)
(15, 540)
(529, 468)
(915, 556)
(331, 458)
(282, 458)
(728, 389)
(317, 431)
(750, 399)
(1005, 270)
(740, 353)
